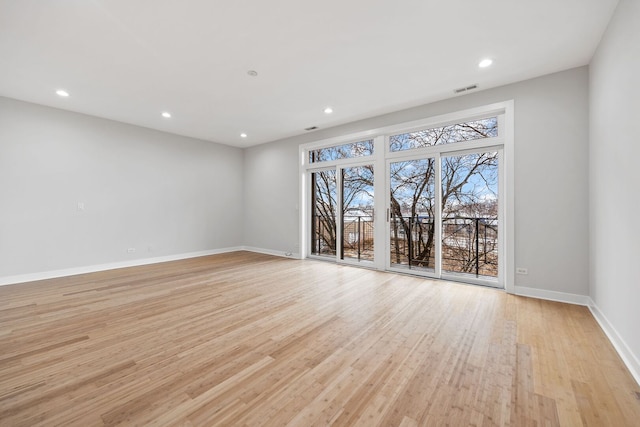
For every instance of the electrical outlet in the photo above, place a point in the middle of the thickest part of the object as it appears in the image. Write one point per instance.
(131, 250)
(521, 270)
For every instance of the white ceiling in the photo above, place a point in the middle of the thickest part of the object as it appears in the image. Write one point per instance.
(130, 60)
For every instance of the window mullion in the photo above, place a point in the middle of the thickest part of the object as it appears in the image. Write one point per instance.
(437, 221)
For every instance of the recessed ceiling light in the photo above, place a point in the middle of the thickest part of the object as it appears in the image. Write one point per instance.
(252, 73)
(328, 110)
(166, 115)
(243, 135)
(62, 93)
(485, 63)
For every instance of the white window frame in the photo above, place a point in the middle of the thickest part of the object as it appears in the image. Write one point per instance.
(381, 157)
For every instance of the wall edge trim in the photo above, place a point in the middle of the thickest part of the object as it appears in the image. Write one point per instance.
(552, 295)
(53, 274)
(631, 361)
(292, 255)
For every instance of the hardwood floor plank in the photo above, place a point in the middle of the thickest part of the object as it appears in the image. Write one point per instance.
(246, 339)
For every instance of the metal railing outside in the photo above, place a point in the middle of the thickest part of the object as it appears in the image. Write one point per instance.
(357, 239)
(469, 244)
(357, 242)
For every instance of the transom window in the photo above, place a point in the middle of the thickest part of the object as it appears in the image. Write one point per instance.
(344, 151)
(467, 131)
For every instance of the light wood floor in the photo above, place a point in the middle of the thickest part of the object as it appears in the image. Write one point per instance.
(247, 339)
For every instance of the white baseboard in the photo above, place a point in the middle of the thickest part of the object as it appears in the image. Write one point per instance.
(552, 295)
(21, 278)
(293, 255)
(630, 360)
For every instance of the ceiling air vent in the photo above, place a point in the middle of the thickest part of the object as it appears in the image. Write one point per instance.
(311, 128)
(465, 89)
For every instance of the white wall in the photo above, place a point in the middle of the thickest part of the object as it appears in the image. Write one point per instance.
(615, 180)
(159, 193)
(551, 167)
(271, 197)
(165, 195)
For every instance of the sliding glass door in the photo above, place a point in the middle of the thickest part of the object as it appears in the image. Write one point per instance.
(342, 213)
(470, 217)
(412, 214)
(357, 213)
(324, 204)
(443, 216)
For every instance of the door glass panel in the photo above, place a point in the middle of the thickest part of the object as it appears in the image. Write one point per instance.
(470, 215)
(324, 201)
(357, 213)
(412, 212)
